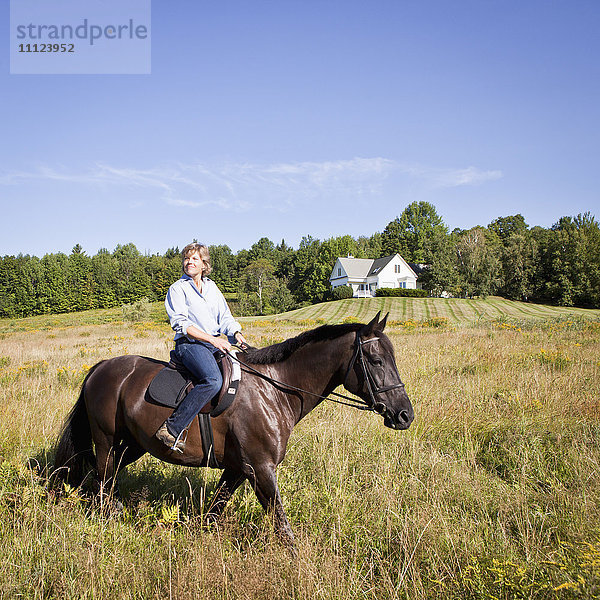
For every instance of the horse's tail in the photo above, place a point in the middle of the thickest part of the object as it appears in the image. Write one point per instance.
(74, 459)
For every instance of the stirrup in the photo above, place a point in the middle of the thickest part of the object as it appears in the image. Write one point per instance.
(179, 443)
(176, 444)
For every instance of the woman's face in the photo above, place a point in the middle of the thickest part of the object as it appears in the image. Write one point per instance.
(193, 265)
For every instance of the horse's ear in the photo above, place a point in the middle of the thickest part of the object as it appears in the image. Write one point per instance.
(373, 325)
(381, 325)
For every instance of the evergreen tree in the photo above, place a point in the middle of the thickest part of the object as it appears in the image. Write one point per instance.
(370, 247)
(80, 280)
(105, 269)
(133, 281)
(263, 249)
(7, 299)
(26, 280)
(284, 266)
(242, 260)
(54, 291)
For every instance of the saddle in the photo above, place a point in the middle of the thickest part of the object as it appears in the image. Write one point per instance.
(173, 383)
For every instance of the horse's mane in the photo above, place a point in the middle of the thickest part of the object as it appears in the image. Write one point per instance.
(283, 350)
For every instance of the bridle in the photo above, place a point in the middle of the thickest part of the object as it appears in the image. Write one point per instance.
(372, 386)
(357, 356)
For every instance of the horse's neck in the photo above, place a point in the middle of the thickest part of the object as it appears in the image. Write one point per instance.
(315, 368)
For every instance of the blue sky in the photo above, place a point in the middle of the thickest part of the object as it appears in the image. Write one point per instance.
(288, 118)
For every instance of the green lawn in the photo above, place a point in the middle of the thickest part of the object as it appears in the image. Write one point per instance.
(456, 310)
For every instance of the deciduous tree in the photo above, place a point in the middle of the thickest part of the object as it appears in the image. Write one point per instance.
(411, 233)
(478, 261)
(258, 280)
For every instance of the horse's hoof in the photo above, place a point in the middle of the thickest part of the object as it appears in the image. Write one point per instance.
(110, 505)
(117, 506)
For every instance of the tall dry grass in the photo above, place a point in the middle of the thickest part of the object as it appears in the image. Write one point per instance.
(493, 492)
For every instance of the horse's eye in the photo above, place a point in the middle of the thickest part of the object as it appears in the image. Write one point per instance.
(377, 362)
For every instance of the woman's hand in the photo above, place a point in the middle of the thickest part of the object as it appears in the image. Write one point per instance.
(221, 343)
(241, 340)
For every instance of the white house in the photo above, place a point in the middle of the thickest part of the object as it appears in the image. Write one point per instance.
(365, 275)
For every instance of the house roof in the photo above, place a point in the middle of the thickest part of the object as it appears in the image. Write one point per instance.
(418, 268)
(380, 263)
(356, 267)
(365, 267)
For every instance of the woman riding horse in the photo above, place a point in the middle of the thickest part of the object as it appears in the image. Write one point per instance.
(112, 424)
(198, 314)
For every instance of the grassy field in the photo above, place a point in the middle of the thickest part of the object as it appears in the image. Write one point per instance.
(456, 310)
(494, 492)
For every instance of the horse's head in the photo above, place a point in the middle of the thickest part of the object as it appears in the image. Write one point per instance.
(373, 376)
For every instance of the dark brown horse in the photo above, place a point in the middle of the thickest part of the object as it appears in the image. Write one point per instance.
(283, 384)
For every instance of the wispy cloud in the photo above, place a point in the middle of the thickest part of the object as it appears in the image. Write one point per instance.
(440, 177)
(242, 186)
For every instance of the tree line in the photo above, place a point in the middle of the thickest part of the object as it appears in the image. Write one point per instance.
(560, 265)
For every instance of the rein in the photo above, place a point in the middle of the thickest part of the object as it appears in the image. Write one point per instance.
(352, 402)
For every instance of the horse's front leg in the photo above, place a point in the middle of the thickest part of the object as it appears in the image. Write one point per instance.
(265, 485)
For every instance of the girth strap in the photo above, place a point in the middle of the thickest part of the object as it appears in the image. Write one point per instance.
(208, 442)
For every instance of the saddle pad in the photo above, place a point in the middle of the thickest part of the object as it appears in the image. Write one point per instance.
(168, 388)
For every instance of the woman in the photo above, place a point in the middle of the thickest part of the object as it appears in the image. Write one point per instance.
(198, 314)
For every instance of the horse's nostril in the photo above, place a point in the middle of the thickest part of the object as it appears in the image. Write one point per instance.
(404, 416)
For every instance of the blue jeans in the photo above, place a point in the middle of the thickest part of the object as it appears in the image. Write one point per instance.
(199, 360)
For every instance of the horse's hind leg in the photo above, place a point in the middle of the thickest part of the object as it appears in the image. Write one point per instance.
(229, 482)
(112, 455)
(105, 464)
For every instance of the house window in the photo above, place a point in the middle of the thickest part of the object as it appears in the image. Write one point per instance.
(396, 268)
(402, 284)
(339, 271)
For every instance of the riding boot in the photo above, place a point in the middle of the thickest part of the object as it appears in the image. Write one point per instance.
(199, 360)
(177, 444)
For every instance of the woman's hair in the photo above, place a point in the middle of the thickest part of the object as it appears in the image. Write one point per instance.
(202, 250)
